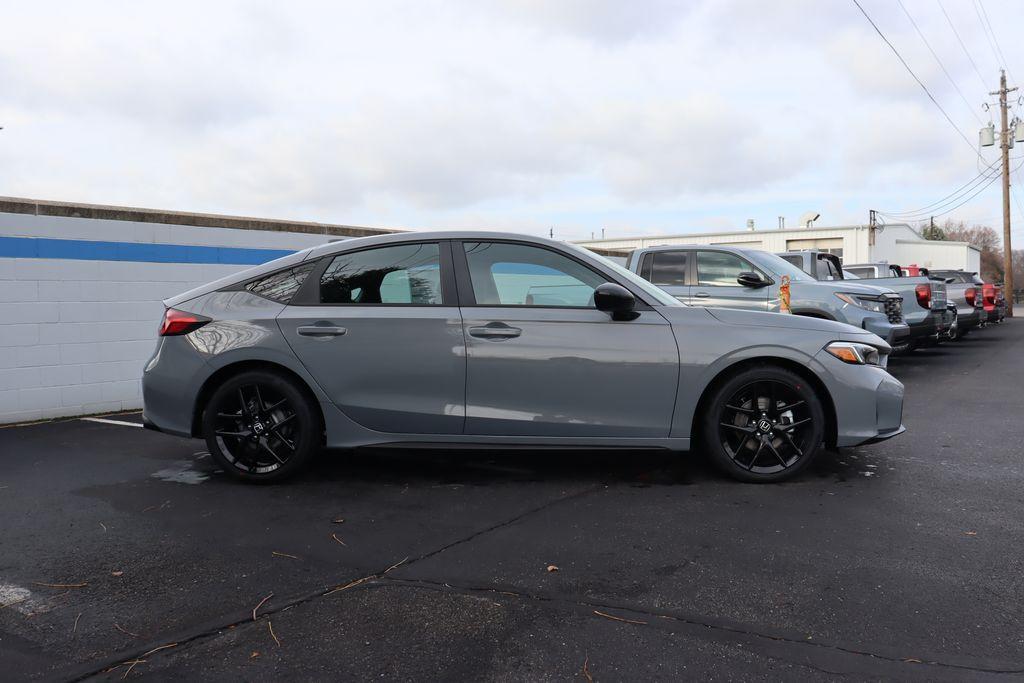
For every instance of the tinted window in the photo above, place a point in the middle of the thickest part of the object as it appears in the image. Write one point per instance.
(669, 268)
(521, 275)
(719, 269)
(647, 266)
(282, 285)
(403, 274)
(797, 261)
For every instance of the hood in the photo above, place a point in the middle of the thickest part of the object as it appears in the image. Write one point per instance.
(849, 286)
(737, 316)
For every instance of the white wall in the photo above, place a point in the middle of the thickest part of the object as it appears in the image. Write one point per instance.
(75, 334)
(936, 255)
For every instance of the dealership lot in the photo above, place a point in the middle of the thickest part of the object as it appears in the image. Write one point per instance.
(896, 560)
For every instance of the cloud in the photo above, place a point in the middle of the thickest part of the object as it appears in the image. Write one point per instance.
(519, 113)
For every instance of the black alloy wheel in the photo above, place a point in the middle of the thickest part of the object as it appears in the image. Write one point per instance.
(765, 424)
(260, 427)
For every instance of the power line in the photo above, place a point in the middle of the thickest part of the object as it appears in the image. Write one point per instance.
(965, 192)
(941, 65)
(1000, 62)
(962, 45)
(950, 209)
(919, 82)
(955, 195)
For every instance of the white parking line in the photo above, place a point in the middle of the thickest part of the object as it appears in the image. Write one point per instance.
(110, 422)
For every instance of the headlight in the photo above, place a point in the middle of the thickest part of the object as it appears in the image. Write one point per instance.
(871, 303)
(855, 354)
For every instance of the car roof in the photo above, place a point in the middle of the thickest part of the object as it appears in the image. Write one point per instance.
(427, 236)
(717, 247)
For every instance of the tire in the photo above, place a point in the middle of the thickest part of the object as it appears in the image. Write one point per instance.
(752, 449)
(261, 427)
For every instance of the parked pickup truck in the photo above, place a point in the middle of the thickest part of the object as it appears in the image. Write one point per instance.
(929, 319)
(732, 277)
(965, 290)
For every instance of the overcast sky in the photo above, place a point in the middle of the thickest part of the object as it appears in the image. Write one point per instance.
(634, 117)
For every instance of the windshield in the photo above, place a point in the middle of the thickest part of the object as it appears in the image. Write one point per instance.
(850, 276)
(777, 264)
(661, 297)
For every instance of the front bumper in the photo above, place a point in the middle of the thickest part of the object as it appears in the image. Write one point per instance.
(868, 401)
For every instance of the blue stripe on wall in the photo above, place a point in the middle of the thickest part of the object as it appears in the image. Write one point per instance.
(88, 250)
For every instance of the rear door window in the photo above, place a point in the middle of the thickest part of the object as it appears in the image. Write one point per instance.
(669, 268)
(403, 274)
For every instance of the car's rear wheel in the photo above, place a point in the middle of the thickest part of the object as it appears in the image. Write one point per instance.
(260, 427)
(764, 424)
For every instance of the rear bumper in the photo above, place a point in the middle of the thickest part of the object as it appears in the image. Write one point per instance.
(968, 318)
(892, 333)
(931, 325)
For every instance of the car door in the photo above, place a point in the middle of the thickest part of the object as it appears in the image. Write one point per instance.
(380, 331)
(542, 361)
(668, 270)
(716, 285)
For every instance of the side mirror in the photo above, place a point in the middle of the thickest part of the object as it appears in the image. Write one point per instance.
(615, 300)
(751, 279)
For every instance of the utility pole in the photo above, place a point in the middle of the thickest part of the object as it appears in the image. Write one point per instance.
(1004, 144)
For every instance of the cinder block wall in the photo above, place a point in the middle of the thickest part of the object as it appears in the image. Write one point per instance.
(75, 332)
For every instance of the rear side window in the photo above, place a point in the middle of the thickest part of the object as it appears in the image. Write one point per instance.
(282, 285)
(669, 268)
(797, 261)
(402, 274)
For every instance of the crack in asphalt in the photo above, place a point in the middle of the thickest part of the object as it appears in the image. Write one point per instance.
(729, 630)
(131, 657)
(714, 624)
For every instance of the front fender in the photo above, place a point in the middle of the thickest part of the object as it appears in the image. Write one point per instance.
(695, 379)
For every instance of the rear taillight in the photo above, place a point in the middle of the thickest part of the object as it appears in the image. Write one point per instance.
(989, 294)
(924, 295)
(971, 295)
(179, 322)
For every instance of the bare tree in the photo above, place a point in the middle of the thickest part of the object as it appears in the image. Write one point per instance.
(985, 239)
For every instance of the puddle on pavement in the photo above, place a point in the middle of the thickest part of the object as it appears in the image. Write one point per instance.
(181, 472)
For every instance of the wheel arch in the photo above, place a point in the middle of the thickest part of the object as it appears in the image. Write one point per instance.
(828, 405)
(223, 374)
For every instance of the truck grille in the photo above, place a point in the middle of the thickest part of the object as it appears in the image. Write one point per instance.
(894, 309)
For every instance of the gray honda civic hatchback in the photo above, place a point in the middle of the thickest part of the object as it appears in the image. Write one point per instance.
(491, 340)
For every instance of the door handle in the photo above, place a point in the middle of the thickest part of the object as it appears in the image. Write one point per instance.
(702, 295)
(495, 331)
(321, 331)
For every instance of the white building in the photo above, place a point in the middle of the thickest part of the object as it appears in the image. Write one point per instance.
(895, 243)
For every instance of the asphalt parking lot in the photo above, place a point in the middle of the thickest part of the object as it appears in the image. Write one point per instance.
(124, 554)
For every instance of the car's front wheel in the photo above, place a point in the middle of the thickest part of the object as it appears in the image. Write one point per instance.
(764, 424)
(260, 427)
